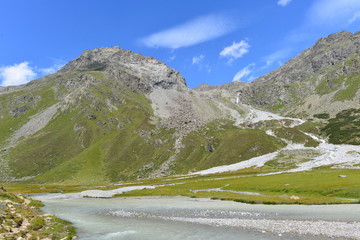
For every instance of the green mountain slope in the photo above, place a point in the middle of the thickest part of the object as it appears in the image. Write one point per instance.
(322, 79)
(112, 115)
(92, 124)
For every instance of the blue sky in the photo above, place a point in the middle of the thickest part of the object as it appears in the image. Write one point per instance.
(213, 42)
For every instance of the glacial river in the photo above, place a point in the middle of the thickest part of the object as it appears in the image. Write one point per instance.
(181, 218)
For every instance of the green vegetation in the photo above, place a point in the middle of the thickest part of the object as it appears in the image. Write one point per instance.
(105, 133)
(320, 186)
(37, 223)
(4, 195)
(348, 86)
(16, 108)
(344, 128)
(220, 143)
(322, 115)
(296, 136)
(352, 84)
(290, 159)
(21, 217)
(329, 84)
(310, 127)
(278, 107)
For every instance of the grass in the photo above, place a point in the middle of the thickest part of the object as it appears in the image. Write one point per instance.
(117, 143)
(37, 223)
(294, 135)
(75, 153)
(220, 143)
(320, 186)
(290, 159)
(40, 227)
(322, 115)
(35, 102)
(329, 84)
(311, 127)
(348, 86)
(344, 128)
(75, 149)
(352, 84)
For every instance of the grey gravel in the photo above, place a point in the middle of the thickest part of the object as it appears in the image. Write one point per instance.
(349, 230)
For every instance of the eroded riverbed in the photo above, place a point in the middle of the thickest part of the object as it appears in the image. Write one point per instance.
(187, 218)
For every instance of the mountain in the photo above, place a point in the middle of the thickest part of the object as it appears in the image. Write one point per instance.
(322, 79)
(112, 115)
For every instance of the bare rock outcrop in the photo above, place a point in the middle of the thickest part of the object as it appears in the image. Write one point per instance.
(139, 73)
(316, 71)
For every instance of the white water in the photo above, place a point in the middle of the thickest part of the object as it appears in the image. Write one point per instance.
(187, 219)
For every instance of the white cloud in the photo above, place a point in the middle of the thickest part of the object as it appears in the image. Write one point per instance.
(208, 68)
(196, 31)
(334, 12)
(283, 3)
(236, 50)
(22, 73)
(16, 74)
(354, 18)
(172, 58)
(198, 59)
(276, 57)
(244, 73)
(58, 64)
(251, 78)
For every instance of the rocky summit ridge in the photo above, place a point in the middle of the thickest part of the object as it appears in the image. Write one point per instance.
(112, 115)
(318, 80)
(146, 73)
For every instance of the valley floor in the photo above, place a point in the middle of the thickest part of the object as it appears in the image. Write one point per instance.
(319, 173)
(266, 179)
(187, 218)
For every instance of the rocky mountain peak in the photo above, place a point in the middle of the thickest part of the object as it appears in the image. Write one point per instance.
(141, 73)
(100, 58)
(313, 79)
(205, 87)
(340, 36)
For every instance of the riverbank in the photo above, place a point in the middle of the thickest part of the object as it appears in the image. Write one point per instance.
(188, 218)
(318, 186)
(21, 218)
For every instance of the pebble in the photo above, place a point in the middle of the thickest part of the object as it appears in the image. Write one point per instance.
(350, 230)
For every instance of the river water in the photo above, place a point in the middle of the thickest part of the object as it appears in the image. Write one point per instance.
(181, 218)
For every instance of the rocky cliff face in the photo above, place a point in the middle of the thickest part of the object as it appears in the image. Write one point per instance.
(139, 73)
(318, 80)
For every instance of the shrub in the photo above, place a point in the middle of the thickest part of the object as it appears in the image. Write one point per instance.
(322, 116)
(37, 223)
(344, 128)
